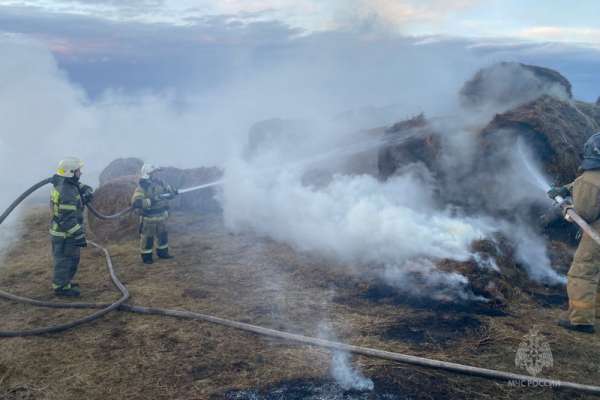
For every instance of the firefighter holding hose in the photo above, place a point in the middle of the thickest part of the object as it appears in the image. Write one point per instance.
(151, 199)
(584, 274)
(68, 198)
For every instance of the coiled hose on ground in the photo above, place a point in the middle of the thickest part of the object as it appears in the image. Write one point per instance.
(386, 355)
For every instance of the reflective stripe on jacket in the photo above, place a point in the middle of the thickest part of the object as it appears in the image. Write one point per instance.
(153, 206)
(67, 208)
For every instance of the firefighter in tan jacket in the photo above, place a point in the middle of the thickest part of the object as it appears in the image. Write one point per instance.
(584, 274)
(151, 198)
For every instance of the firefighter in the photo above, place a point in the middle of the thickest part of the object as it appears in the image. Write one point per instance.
(68, 199)
(151, 199)
(584, 274)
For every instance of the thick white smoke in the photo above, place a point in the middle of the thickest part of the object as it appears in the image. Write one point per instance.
(356, 219)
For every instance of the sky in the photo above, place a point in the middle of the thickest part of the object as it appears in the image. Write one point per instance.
(190, 46)
(559, 20)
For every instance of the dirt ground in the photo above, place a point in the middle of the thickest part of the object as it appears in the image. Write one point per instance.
(256, 280)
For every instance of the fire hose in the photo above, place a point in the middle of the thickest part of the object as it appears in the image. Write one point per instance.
(120, 305)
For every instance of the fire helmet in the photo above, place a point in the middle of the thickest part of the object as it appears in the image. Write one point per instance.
(68, 166)
(591, 153)
(147, 170)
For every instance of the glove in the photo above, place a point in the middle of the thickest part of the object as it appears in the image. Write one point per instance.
(87, 194)
(80, 241)
(561, 191)
(565, 209)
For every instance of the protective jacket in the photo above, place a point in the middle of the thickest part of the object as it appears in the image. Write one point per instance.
(148, 198)
(584, 274)
(154, 209)
(67, 207)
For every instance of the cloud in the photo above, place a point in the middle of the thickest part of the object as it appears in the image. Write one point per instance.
(398, 15)
(587, 35)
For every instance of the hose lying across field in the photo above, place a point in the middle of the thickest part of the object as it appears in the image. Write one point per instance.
(120, 305)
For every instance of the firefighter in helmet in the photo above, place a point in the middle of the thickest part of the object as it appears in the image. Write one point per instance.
(68, 199)
(151, 199)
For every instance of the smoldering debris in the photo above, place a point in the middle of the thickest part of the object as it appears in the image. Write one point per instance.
(317, 390)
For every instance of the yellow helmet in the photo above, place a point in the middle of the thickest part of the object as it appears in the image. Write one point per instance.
(68, 166)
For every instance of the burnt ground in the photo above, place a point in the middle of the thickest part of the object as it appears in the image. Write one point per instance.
(257, 280)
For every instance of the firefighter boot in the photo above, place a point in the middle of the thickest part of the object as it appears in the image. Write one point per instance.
(67, 290)
(164, 254)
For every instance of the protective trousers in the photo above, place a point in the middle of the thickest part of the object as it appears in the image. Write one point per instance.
(153, 229)
(66, 260)
(582, 285)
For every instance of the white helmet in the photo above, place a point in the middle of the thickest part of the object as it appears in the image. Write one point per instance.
(68, 166)
(148, 169)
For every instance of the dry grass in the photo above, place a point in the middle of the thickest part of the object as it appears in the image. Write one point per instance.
(256, 280)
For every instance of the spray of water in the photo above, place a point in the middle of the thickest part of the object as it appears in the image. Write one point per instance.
(337, 153)
(535, 175)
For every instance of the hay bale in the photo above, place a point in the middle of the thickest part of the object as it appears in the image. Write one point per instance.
(555, 129)
(109, 199)
(423, 148)
(119, 168)
(507, 84)
(282, 135)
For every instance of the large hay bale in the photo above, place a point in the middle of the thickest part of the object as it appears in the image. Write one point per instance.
(109, 199)
(508, 84)
(119, 168)
(556, 129)
(423, 148)
(283, 136)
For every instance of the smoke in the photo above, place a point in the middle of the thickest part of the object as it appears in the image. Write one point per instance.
(397, 228)
(346, 376)
(533, 254)
(356, 219)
